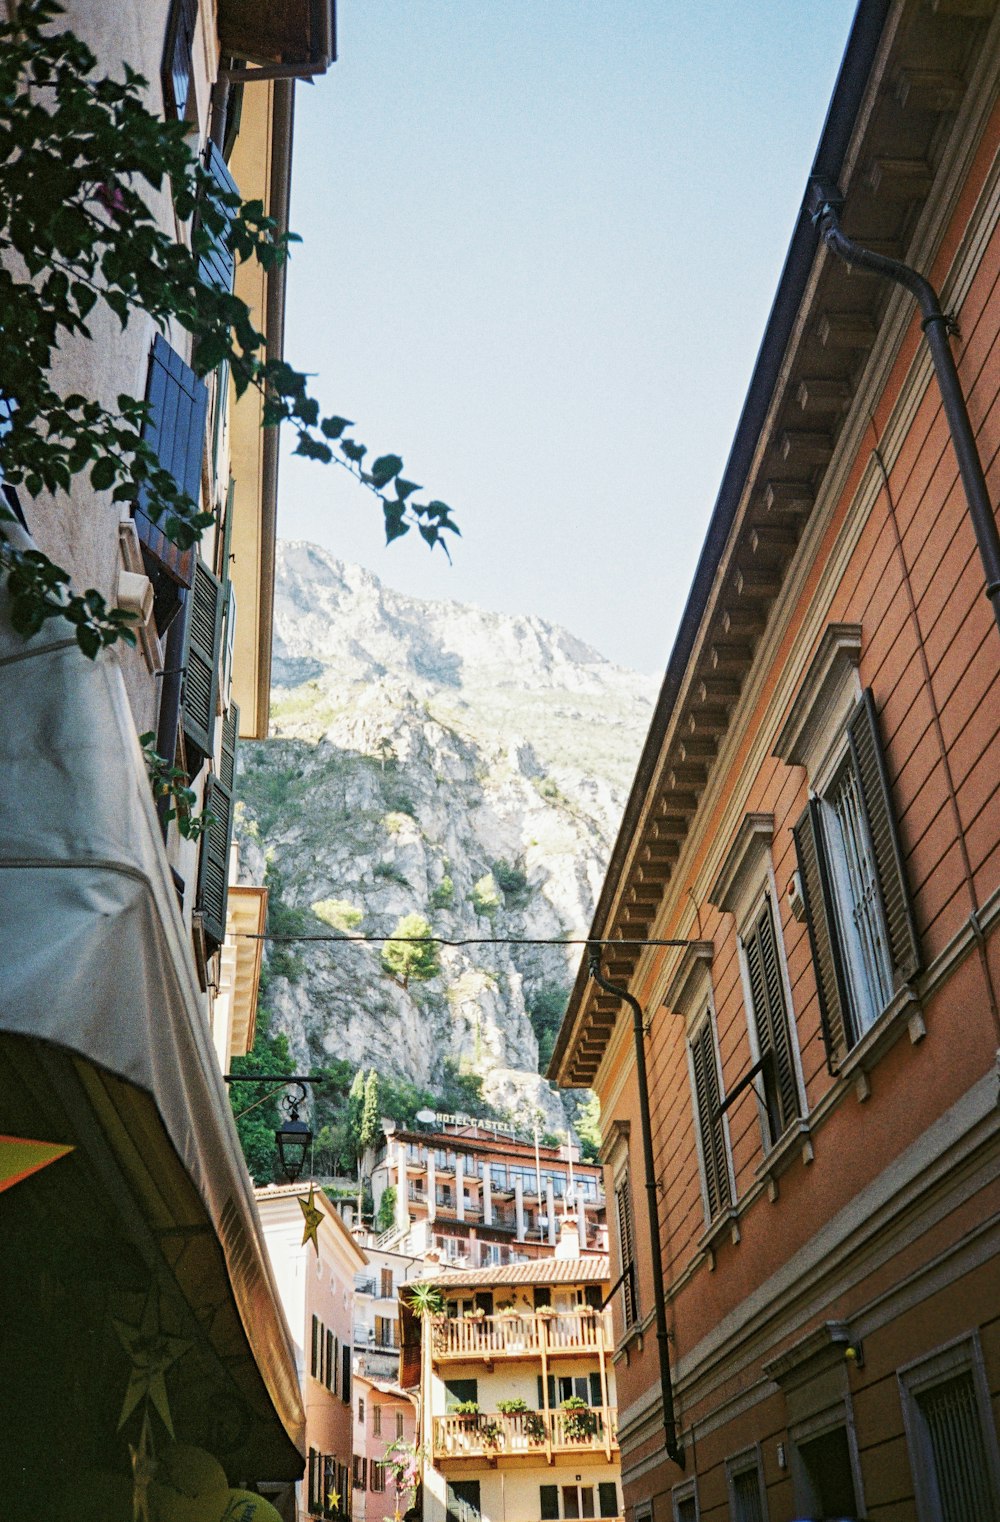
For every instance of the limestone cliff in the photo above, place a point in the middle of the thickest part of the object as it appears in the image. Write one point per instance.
(431, 758)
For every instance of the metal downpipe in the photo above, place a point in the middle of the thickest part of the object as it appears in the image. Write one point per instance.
(674, 1449)
(824, 203)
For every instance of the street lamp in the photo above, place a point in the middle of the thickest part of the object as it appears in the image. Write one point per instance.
(293, 1136)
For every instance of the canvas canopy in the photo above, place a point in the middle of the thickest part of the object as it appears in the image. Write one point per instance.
(104, 1043)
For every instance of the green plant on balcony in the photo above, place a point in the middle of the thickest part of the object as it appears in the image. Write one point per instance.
(580, 1423)
(532, 1422)
(465, 1408)
(426, 1300)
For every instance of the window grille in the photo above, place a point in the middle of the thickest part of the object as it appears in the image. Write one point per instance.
(746, 1497)
(955, 1438)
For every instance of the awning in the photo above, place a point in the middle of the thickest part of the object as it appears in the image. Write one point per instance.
(104, 1044)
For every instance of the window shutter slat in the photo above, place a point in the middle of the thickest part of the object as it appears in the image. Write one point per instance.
(822, 933)
(213, 874)
(175, 430)
(713, 1143)
(779, 1036)
(201, 660)
(217, 266)
(866, 748)
(175, 71)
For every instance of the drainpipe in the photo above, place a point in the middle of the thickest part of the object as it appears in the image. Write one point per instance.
(824, 202)
(674, 1449)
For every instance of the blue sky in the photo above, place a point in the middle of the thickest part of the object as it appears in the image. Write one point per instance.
(541, 239)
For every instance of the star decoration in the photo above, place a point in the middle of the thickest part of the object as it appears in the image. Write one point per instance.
(333, 1499)
(313, 1216)
(143, 1470)
(20, 1157)
(152, 1352)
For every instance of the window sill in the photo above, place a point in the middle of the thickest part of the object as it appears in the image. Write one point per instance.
(903, 1013)
(796, 1142)
(726, 1223)
(632, 1338)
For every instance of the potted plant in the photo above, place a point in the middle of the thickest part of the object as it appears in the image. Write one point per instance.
(581, 1422)
(426, 1300)
(532, 1422)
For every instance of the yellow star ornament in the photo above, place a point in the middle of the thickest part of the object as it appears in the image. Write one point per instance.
(313, 1216)
(152, 1352)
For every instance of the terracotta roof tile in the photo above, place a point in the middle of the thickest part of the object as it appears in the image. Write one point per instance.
(589, 1270)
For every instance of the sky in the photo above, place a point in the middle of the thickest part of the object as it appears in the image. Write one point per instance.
(540, 242)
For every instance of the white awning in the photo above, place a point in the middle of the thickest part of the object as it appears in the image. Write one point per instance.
(96, 973)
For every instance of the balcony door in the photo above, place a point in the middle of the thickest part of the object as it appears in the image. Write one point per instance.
(463, 1501)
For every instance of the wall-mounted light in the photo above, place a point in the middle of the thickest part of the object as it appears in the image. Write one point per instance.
(293, 1136)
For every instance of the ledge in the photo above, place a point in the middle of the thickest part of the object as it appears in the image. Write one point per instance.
(797, 1141)
(838, 655)
(695, 960)
(742, 864)
(903, 1013)
(726, 1223)
(824, 1345)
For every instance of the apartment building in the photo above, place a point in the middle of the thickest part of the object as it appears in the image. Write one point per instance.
(384, 1417)
(315, 1281)
(376, 1306)
(814, 824)
(516, 1382)
(472, 1191)
(124, 991)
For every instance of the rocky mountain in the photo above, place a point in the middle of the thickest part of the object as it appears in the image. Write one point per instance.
(431, 759)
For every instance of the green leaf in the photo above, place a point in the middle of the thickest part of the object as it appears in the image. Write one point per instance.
(383, 470)
(405, 489)
(333, 427)
(103, 473)
(353, 451)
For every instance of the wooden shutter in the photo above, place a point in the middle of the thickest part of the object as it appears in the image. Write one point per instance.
(767, 992)
(345, 1384)
(336, 1365)
(175, 71)
(217, 265)
(626, 1246)
(593, 1296)
(595, 1390)
(175, 431)
(213, 866)
(201, 661)
(548, 1496)
(314, 1357)
(330, 1360)
(607, 1492)
(462, 1501)
(869, 762)
(826, 953)
(707, 1101)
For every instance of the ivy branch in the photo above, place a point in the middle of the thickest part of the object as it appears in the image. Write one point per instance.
(168, 781)
(81, 157)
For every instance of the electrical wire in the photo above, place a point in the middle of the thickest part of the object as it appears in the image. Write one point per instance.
(440, 940)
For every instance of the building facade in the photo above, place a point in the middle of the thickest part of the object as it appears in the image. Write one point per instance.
(316, 1285)
(125, 988)
(384, 1416)
(814, 825)
(516, 1385)
(472, 1192)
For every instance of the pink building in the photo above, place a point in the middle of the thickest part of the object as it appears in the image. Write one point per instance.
(316, 1288)
(383, 1415)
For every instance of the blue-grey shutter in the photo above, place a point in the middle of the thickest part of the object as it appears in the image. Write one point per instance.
(201, 661)
(217, 264)
(869, 762)
(175, 431)
(548, 1499)
(175, 71)
(831, 986)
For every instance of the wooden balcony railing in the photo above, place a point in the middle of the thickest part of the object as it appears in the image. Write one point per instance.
(535, 1434)
(513, 1335)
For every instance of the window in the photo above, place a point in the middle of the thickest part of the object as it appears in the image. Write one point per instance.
(377, 1421)
(747, 1499)
(359, 1472)
(825, 1474)
(331, 1362)
(950, 1434)
(711, 1125)
(399, 1424)
(376, 1476)
(463, 1504)
(175, 431)
(857, 907)
(560, 1387)
(361, 1411)
(607, 1494)
(345, 1381)
(684, 1498)
(314, 1355)
(765, 982)
(577, 1501)
(626, 1246)
(458, 1391)
(175, 70)
(387, 1286)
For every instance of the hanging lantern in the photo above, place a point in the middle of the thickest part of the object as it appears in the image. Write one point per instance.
(293, 1136)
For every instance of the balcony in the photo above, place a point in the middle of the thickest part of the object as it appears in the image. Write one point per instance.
(512, 1335)
(536, 1435)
